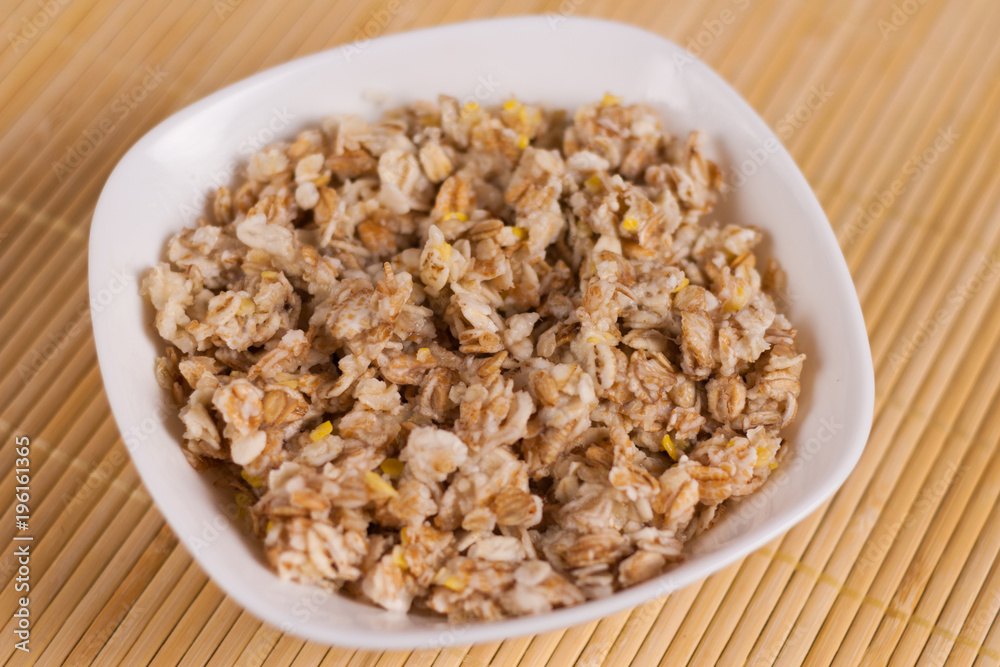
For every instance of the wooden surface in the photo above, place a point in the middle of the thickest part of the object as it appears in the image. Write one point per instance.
(890, 107)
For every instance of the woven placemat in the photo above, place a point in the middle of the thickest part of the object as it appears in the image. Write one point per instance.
(890, 108)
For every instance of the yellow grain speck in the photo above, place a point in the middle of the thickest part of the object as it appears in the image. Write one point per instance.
(737, 300)
(670, 448)
(378, 485)
(321, 431)
(392, 467)
(397, 557)
(247, 307)
(252, 480)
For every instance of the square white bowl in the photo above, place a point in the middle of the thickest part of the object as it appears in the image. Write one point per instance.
(160, 185)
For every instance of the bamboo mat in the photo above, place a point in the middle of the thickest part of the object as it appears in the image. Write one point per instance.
(890, 108)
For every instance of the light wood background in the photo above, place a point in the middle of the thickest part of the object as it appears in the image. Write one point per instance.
(899, 568)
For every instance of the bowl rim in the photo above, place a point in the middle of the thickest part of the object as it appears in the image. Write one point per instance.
(856, 432)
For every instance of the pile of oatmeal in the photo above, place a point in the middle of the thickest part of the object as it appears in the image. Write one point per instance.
(479, 362)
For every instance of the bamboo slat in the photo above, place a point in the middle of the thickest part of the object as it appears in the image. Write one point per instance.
(900, 567)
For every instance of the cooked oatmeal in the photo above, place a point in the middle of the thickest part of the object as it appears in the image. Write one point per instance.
(477, 362)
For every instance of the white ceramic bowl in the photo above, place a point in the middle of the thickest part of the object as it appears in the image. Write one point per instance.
(161, 184)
